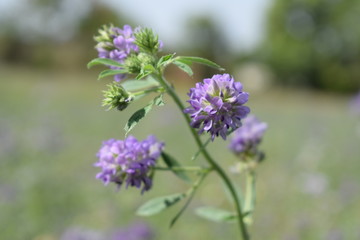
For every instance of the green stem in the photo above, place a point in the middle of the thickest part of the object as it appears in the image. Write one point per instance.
(150, 90)
(250, 194)
(207, 156)
(182, 169)
(190, 193)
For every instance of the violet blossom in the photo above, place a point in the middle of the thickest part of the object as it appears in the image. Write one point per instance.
(248, 136)
(116, 44)
(217, 105)
(128, 161)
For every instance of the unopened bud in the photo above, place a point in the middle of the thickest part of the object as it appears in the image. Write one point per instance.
(117, 97)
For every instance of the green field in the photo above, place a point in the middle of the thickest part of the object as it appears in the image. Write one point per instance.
(52, 124)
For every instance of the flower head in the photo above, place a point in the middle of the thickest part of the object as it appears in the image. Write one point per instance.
(248, 136)
(217, 105)
(116, 44)
(128, 47)
(128, 161)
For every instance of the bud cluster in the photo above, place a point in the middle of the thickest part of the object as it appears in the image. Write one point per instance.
(148, 41)
(132, 48)
(116, 97)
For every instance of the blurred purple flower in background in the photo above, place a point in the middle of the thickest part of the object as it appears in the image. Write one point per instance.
(355, 104)
(313, 183)
(248, 136)
(217, 105)
(128, 161)
(116, 44)
(77, 233)
(136, 231)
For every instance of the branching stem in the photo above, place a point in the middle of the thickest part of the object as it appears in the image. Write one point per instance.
(207, 156)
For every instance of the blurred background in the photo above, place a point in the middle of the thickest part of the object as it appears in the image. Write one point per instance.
(298, 59)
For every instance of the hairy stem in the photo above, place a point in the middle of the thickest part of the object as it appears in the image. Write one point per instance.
(207, 156)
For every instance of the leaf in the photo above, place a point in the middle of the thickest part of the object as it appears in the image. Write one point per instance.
(142, 75)
(111, 72)
(104, 61)
(185, 67)
(149, 68)
(204, 61)
(145, 71)
(159, 204)
(140, 114)
(134, 85)
(216, 214)
(171, 162)
(165, 60)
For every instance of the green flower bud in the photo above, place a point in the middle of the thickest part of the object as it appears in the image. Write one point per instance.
(146, 59)
(117, 97)
(147, 41)
(105, 34)
(133, 64)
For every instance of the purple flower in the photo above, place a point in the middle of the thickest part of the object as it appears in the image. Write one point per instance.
(217, 105)
(137, 231)
(248, 136)
(355, 104)
(116, 44)
(128, 161)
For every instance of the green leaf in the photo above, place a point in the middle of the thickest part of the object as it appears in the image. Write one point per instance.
(111, 72)
(204, 61)
(165, 60)
(142, 75)
(135, 85)
(185, 67)
(104, 61)
(159, 204)
(171, 162)
(149, 68)
(216, 214)
(140, 114)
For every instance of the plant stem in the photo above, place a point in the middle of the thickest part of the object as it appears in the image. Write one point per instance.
(207, 156)
(182, 169)
(150, 90)
(191, 192)
(250, 194)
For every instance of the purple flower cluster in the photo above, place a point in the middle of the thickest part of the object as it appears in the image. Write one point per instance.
(248, 136)
(128, 161)
(116, 44)
(217, 105)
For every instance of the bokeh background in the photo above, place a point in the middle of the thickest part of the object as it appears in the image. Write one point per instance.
(298, 59)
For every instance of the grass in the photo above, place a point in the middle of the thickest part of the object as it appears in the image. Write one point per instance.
(51, 126)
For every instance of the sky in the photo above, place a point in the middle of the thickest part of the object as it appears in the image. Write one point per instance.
(241, 21)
